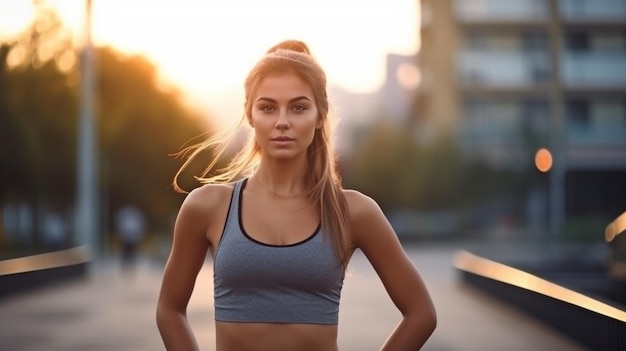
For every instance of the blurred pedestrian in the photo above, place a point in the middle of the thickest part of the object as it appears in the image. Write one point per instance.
(130, 225)
(281, 229)
(54, 231)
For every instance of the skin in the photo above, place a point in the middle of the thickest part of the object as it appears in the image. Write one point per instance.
(284, 117)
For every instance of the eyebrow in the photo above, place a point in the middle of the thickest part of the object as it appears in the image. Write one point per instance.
(290, 100)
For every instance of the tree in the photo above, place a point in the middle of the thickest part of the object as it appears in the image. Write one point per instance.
(38, 106)
(401, 173)
(141, 121)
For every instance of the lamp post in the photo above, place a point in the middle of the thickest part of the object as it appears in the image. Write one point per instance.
(557, 173)
(87, 218)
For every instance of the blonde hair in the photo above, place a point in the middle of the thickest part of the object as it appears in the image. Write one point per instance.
(322, 181)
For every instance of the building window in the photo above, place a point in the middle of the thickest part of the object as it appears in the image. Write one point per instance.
(474, 118)
(536, 116)
(577, 41)
(540, 73)
(576, 6)
(476, 41)
(578, 113)
(534, 41)
(610, 42)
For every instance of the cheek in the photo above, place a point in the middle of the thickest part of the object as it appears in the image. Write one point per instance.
(313, 134)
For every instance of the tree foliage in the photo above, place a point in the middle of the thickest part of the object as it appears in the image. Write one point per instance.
(38, 109)
(402, 173)
(140, 123)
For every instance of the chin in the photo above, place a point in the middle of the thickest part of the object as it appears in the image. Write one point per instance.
(284, 155)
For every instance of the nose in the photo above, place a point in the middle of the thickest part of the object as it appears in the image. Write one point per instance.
(283, 120)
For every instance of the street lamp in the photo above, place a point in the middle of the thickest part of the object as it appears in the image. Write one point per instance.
(87, 218)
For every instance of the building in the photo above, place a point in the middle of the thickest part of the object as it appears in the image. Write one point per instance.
(510, 76)
(392, 103)
(356, 113)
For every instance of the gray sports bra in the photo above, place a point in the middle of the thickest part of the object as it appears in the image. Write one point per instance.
(262, 283)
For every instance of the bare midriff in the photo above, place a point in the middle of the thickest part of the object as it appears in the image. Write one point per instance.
(275, 337)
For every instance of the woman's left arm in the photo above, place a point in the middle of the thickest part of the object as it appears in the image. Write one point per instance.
(373, 235)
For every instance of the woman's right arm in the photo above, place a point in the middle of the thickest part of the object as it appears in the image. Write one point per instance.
(188, 253)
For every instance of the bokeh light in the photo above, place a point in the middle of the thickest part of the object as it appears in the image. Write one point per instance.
(543, 160)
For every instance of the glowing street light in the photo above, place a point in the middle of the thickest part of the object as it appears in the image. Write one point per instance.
(543, 160)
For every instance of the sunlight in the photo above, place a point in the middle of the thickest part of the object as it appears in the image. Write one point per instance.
(14, 15)
(208, 44)
(207, 47)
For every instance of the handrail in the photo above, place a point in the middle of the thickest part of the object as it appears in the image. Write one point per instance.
(76, 255)
(615, 228)
(469, 262)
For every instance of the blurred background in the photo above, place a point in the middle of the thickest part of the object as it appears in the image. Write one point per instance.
(489, 121)
(444, 135)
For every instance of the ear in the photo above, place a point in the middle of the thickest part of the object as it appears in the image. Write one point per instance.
(319, 123)
(250, 121)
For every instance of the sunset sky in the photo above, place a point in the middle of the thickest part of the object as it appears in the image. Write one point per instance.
(207, 47)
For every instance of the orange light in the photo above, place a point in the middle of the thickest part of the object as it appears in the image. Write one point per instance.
(615, 228)
(543, 160)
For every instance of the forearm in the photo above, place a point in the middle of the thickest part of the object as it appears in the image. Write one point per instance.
(410, 334)
(175, 331)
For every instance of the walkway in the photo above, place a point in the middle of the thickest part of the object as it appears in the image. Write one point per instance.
(115, 311)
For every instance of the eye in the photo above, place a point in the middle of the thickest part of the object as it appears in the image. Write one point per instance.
(299, 108)
(267, 108)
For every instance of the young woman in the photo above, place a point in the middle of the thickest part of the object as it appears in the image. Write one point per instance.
(282, 234)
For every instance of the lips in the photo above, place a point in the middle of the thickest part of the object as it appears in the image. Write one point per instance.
(282, 138)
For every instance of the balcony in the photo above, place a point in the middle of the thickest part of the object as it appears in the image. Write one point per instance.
(593, 10)
(489, 123)
(594, 70)
(497, 68)
(501, 10)
(599, 135)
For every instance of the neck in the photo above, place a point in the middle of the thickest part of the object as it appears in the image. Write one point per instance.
(280, 181)
(273, 190)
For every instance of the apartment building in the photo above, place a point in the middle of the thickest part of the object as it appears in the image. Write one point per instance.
(510, 76)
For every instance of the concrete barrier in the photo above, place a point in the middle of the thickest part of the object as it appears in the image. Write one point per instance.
(24, 273)
(593, 323)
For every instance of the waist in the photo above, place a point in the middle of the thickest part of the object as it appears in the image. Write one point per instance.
(275, 337)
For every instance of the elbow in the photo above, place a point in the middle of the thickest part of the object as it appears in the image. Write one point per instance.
(426, 321)
(161, 317)
(164, 317)
(430, 320)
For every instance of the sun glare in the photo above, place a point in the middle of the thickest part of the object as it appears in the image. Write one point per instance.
(206, 47)
(14, 15)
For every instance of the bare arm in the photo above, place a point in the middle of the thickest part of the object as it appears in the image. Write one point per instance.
(373, 234)
(186, 258)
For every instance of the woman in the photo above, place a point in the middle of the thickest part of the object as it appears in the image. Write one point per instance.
(282, 236)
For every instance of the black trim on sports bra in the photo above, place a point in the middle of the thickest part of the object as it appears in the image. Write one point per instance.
(243, 185)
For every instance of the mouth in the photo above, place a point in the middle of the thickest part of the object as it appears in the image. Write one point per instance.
(282, 138)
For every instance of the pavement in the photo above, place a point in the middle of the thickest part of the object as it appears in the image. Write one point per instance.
(114, 309)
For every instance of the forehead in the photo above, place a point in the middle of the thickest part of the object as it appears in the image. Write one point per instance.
(283, 86)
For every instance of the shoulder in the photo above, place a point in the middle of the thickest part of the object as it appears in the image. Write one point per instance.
(359, 204)
(209, 195)
(202, 213)
(206, 200)
(369, 225)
